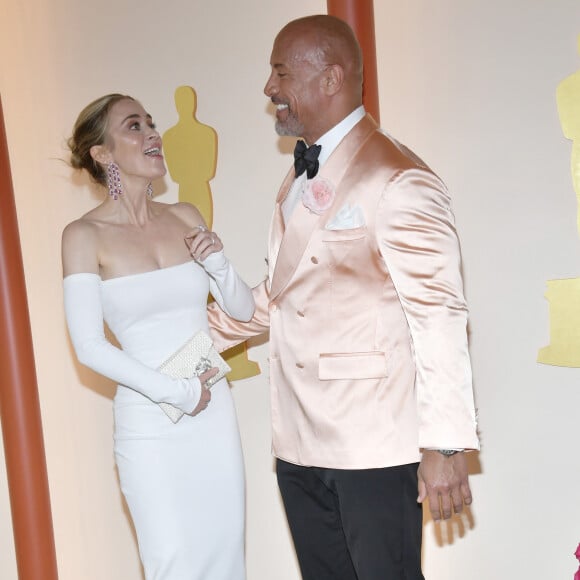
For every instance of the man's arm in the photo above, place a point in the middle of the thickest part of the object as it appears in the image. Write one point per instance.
(227, 332)
(417, 236)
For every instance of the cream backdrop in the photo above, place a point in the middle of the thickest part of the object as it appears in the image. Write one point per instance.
(470, 85)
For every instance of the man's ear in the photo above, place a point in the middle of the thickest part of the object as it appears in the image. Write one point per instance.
(101, 154)
(333, 79)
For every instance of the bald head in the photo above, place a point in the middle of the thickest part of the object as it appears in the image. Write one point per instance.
(327, 40)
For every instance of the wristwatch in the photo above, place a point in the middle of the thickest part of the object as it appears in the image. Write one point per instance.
(449, 452)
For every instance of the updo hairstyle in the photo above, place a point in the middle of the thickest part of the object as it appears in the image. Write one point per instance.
(89, 130)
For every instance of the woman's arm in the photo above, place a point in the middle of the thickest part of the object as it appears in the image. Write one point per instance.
(84, 316)
(231, 293)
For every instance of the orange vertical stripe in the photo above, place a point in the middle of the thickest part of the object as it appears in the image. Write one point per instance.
(19, 404)
(360, 16)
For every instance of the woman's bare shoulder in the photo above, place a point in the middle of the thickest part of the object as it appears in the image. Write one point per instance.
(80, 228)
(79, 246)
(187, 213)
(87, 222)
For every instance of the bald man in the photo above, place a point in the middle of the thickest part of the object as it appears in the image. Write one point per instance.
(371, 394)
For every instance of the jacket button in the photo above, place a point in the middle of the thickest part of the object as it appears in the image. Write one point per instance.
(314, 260)
(300, 365)
(301, 314)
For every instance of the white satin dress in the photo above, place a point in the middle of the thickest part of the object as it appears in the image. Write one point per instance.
(183, 482)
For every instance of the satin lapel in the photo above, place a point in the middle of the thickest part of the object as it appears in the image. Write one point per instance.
(277, 226)
(303, 222)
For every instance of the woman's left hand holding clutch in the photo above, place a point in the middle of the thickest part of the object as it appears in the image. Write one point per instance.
(205, 396)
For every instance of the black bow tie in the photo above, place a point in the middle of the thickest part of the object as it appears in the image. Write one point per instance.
(306, 159)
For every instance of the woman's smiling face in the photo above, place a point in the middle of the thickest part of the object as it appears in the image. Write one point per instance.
(133, 141)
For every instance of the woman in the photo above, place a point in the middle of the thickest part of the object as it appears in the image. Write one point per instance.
(145, 268)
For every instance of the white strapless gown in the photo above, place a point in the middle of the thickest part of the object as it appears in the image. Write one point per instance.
(183, 482)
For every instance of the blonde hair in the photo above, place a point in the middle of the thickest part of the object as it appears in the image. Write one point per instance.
(90, 129)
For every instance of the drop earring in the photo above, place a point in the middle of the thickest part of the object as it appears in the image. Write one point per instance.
(149, 190)
(114, 180)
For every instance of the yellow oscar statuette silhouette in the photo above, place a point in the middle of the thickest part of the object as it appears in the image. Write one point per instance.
(564, 295)
(190, 150)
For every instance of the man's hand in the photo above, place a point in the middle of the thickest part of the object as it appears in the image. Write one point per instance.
(445, 482)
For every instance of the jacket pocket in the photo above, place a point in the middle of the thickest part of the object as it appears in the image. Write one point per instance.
(356, 365)
(344, 235)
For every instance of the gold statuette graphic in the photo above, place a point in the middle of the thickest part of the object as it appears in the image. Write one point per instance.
(190, 150)
(564, 347)
(564, 295)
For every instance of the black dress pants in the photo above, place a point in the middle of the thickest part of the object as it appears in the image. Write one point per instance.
(353, 524)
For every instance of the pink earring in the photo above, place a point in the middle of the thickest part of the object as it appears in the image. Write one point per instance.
(114, 180)
(149, 190)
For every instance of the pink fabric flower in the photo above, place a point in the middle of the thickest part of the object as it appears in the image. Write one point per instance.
(577, 554)
(318, 195)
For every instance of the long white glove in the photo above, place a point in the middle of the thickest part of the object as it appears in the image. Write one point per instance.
(230, 292)
(84, 316)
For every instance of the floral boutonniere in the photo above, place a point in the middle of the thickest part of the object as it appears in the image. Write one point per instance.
(318, 195)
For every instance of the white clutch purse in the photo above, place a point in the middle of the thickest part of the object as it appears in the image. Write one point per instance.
(195, 357)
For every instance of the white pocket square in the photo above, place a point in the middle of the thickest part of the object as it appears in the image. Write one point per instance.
(347, 218)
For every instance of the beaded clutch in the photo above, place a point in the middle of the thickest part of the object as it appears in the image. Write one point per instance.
(195, 357)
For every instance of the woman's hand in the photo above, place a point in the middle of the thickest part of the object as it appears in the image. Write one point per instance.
(201, 243)
(205, 397)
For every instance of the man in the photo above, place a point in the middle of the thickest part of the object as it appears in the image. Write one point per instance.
(369, 366)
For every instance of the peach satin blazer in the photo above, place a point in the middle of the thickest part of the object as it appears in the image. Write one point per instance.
(369, 360)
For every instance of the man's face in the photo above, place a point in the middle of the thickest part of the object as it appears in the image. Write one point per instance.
(295, 87)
